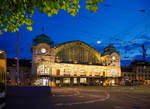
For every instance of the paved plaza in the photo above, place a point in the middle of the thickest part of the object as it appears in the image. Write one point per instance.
(85, 98)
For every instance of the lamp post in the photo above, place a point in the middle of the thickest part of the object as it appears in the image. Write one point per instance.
(101, 78)
(18, 57)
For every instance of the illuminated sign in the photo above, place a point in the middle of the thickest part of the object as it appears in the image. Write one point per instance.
(43, 69)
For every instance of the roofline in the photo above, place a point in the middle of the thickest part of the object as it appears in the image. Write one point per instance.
(75, 41)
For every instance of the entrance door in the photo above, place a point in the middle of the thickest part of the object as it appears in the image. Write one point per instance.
(43, 82)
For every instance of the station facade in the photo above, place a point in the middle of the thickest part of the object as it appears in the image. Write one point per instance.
(73, 63)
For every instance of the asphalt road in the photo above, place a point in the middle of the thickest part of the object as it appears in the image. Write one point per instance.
(100, 98)
(84, 98)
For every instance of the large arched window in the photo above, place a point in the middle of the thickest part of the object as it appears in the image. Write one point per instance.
(77, 52)
(43, 69)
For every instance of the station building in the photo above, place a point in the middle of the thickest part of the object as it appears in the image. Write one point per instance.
(2, 66)
(73, 63)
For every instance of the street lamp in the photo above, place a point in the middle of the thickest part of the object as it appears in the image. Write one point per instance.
(18, 78)
(1, 51)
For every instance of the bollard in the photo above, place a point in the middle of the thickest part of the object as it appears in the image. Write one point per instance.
(2, 96)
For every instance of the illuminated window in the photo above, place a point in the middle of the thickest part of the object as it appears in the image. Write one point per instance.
(75, 72)
(90, 74)
(66, 80)
(58, 72)
(96, 72)
(114, 73)
(67, 72)
(39, 82)
(104, 74)
(82, 80)
(57, 81)
(75, 81)
(43, 69)
(43, 82)
(113, 81)
(82, 73)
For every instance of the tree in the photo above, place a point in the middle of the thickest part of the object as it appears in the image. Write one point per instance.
(15, 13)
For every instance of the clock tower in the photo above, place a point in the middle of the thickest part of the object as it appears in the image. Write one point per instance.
(43, 57)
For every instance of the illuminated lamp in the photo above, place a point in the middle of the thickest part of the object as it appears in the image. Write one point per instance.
(113, 58)
(98, 42)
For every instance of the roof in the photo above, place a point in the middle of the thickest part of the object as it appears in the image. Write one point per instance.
(42, 39)
(76, 41)
(139, 63)
(81, 63)
(109, 50)
(126, 69)
(2, 54)
(22, 62)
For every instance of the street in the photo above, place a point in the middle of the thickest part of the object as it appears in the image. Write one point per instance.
(101, 98)
(86, 98)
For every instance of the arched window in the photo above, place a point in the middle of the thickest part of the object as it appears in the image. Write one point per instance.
(67, 72)
(104, 74)
(43, 69)
(96, 72)
(58, 72)
(75, 71)
(114, 73)
(82, 73)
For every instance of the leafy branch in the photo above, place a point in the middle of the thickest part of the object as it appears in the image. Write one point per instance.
(15, 13)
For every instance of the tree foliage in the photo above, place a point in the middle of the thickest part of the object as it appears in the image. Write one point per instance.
(15, 13)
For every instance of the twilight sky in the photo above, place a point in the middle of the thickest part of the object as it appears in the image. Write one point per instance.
(125, 23)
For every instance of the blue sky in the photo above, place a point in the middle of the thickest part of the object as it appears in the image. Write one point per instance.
(120, 22)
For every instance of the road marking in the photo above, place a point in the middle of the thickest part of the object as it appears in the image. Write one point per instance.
(85, 102)
(76, 92)
(119, 107)
(135, 98)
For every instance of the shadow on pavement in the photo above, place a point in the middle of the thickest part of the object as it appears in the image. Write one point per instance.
(29, 97)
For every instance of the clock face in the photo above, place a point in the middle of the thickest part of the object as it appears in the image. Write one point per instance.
(43, 50)
(113, 58)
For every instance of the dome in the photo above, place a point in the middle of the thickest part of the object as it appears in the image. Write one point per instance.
(42, 39)
(109, 50)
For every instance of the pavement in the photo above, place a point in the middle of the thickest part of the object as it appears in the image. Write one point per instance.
(29, 98)
(80, 98)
